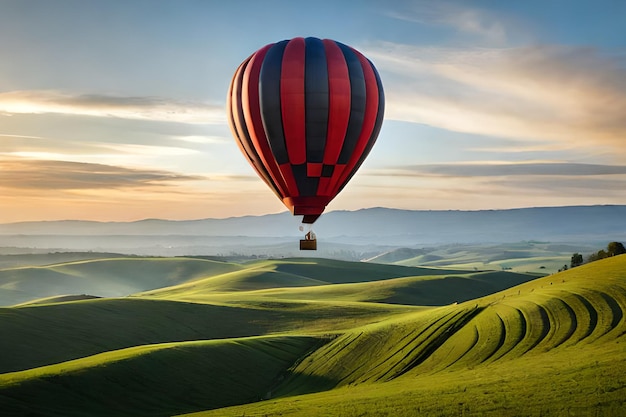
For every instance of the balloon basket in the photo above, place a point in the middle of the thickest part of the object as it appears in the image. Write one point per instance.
(308, 244)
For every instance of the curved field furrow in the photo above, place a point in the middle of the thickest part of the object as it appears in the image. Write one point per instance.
(567, 322)
(455, 348)
(419, 338)
(456, 351)
(534, 326)
(491, 334)
(514, 331)
(616, 309)
(332, 351)
(619, 295)
(421, 352)
(506, 330)
(587, 326)
(606, 308)
(405, 345)
(560, 325)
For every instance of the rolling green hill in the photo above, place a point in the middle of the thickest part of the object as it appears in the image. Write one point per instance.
(331, 280)
(154, 379)
(108, 277)
(536, 257)
(320, 337)
(552, 346)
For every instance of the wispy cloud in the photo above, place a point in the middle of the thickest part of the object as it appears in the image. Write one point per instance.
(476, 22)
(491, 169)
(10, 136)
(478, 185)
(573, 95)
(203, 140)
(142, 108)
(62, 175)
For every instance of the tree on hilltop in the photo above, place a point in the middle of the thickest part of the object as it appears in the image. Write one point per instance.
(577, 260)
(612, 249)
(615, 248)
(601, 254)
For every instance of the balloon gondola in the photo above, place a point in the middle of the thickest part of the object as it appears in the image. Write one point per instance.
(305, 113)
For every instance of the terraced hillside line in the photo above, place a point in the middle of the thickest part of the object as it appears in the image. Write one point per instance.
(394, 354)
(375, 350)
(324, 368)
(331, 352)
(606, 308)
(450, 357)
(616, 309)
(567, 322)
(592, 315)
(408, 343)
(535, 326)
(490, 333)
(540, 316)
(422, 351)
(619, 295)
(514, 330)
(494, 335)
(560, 325)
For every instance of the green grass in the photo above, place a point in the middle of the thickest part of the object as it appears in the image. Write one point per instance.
(327, 280)
(155, 380)
(564, 383)
(534, 257)
(46, 334)
(112, 277)
(553, 346)
(333, 343)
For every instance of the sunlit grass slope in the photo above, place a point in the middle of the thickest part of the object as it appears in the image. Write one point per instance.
(301, 280)
(297, 272)
(103, 277)
(40, 335)
(552, 346)
(538, 257)
(331, 344)
(156, 380)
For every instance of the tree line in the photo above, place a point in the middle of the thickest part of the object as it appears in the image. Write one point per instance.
(612, 249)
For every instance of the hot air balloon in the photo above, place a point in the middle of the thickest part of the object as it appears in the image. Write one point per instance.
(305, 113)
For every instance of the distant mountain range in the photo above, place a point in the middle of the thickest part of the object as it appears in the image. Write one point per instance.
(373, 225)
(349, 235)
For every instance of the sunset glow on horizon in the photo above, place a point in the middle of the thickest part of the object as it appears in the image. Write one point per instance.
(116, 111)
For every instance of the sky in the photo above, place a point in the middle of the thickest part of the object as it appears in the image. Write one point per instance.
(114, 110)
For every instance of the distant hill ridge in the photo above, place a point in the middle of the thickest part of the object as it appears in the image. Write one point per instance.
(396, 226)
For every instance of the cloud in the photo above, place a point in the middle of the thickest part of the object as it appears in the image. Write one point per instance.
(479, 23)
(203, 140)
(510, 169)
(63, 175)
(483, 185)
(10, 136)
(572, 95)
(142, 108)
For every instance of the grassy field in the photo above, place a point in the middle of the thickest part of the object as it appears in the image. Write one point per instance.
(532, 257)
(314, 337)
(107, 277)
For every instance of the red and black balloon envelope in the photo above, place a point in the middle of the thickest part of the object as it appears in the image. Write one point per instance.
(305, 113)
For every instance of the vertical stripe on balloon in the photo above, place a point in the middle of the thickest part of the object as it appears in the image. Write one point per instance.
(269, 103)
(252, 115)
(292, 100)
(316, 99)
(240, 129)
